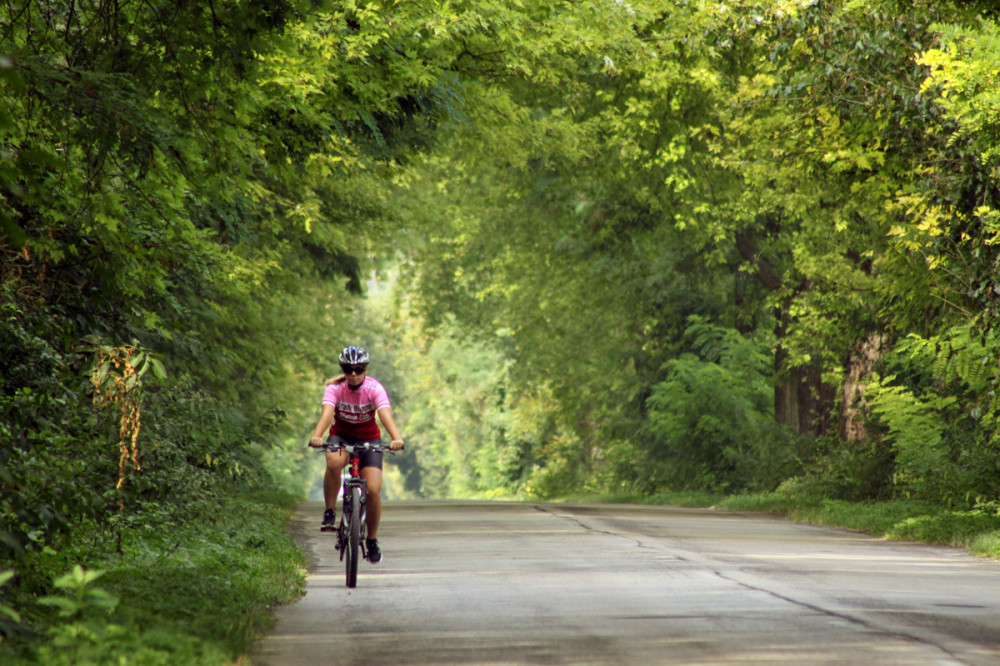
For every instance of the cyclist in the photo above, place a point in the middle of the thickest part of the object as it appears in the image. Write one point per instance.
(350, 403)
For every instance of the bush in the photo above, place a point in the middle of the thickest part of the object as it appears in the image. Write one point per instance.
(937, 404)
(851, 471)
(199, 593)
(712, 417)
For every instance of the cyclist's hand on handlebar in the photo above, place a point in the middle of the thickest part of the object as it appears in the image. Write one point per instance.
(396, 445)
(316, 442)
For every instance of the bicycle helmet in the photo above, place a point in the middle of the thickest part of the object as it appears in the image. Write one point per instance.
(354, 356)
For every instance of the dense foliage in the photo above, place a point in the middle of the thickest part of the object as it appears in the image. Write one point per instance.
(695, 205)
(187, 190)
(630, 246)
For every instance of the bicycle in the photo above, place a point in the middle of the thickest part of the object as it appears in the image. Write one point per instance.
(353, 529)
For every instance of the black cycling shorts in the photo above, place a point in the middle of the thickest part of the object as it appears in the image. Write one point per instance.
(368, 458)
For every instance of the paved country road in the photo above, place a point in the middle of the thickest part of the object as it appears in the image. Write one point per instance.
(532, 583)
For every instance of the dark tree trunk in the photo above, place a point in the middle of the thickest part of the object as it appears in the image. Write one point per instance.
(802, 400)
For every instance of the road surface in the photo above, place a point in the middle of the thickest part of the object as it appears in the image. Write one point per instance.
(532, 583)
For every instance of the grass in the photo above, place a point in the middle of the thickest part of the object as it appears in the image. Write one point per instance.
(199, 593)
(976, 531)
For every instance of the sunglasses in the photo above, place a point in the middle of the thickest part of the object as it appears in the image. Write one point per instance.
(354, 369)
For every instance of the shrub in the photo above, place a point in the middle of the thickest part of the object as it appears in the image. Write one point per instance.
(938, 406)
(712, 416)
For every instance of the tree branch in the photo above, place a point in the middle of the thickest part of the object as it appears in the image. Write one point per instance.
(767, 276)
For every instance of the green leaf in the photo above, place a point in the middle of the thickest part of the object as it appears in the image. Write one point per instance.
(159, 371)
(67, 607)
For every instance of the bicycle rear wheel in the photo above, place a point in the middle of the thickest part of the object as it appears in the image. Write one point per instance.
(354, 538)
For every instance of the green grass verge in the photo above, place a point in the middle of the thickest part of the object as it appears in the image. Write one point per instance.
(976, 531)
(199, 593)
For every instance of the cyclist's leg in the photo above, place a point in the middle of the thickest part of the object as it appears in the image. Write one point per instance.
(373, 476)
(335, 463)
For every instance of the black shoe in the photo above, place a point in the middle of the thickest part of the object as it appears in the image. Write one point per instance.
(329, 521)
(372, 551)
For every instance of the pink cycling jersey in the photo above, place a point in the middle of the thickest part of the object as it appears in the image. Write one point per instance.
(354, 410)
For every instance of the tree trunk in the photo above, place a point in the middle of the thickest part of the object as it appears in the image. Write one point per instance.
(859, 368)
(801, 400)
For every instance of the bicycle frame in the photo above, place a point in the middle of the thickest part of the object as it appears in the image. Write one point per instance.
(353, 480)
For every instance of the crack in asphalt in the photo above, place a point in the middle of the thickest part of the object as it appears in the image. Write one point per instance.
(857, 621)
(866, 624)
(588, 528)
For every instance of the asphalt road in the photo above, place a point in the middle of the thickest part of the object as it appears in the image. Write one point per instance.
(513, 583)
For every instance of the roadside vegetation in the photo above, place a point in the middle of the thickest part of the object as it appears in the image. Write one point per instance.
(197, 589)
(976, 531)
(741, 250)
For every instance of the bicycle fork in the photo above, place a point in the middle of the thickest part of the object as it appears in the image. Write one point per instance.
(346, 512)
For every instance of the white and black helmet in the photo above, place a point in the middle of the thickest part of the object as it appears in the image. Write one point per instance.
(354, 356)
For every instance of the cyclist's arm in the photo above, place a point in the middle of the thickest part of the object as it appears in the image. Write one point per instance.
(385, 416)
(325, 419)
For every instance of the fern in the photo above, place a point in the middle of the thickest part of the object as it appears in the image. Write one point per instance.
(956, 357)
(712, 415)
(916, 429)
(940, 411)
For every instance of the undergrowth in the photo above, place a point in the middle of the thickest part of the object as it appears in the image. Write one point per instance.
(193, 593)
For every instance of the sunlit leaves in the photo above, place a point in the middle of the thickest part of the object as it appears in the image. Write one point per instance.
(964, 69)
(799, 142)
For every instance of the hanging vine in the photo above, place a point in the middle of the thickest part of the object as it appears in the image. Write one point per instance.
(117, 378)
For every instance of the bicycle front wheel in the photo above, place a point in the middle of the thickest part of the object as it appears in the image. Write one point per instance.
(354, 538)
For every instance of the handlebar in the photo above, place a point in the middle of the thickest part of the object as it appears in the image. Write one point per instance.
(375, 445)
